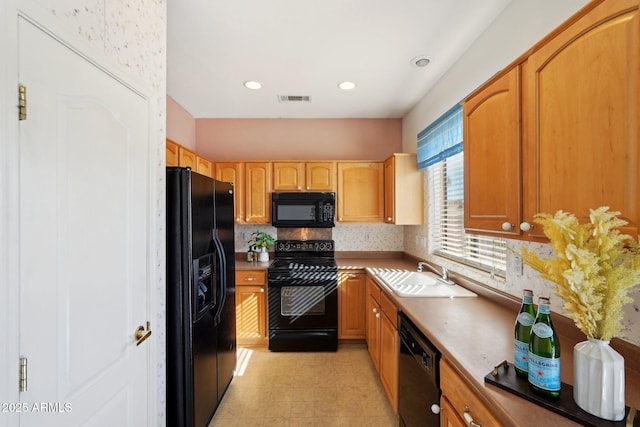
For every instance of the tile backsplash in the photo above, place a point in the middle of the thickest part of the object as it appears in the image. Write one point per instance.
(349, 237)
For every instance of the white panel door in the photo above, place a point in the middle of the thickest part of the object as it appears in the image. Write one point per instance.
(83, 239)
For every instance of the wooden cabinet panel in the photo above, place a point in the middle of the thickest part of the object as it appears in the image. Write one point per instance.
(251, 277)
(389, 344)
(492, 184)
(187, 158)
(233, 172)
(448, 417)
(351, 305)
(320, 176)
(403, 190)
(360, 192)
(171, 153)
(288, 176)
(389, 309)
(251, 315)
(304, 176)
(462, 399)
(251, 307)
(373, 322)
(204, 166)
(582, 91)
(382, 339)
(257, 187)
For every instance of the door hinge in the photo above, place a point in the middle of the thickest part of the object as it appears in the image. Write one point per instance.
(22, 102)
(23, 374)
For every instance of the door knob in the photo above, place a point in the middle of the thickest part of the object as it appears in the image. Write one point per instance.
(141, 334)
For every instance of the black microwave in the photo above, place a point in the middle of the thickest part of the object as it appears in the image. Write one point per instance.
(313, 210)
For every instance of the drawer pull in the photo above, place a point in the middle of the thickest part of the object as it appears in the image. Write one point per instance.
(469, 419)
(250, 279)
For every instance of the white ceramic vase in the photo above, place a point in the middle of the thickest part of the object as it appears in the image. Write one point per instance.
(263, 255)
(598, 379)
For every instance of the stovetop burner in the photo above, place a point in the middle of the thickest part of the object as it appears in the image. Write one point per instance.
(304, 264)
(304, 256)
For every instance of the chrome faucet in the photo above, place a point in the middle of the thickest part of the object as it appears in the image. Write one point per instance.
(444, 275)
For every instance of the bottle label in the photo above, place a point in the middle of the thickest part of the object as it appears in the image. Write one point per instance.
(525, 319)
(542, 330)
(544, 372)
(521, 355)
(527, 299)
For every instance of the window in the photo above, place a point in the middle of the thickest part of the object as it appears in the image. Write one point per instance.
(445, 174)
(446, 216)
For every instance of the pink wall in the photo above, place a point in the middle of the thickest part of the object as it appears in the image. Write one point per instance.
(298, 139)
(181, 126)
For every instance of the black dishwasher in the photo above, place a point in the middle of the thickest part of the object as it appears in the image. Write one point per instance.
(418, 378)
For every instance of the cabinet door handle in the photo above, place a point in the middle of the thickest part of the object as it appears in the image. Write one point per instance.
(261, 289)
(469, 419)
(375, 310)
(525, 226)
(506, 226)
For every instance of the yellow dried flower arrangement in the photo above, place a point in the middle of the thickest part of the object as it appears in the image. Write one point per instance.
(594, 269)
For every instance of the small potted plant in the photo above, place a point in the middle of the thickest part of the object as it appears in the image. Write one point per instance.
(260, 242)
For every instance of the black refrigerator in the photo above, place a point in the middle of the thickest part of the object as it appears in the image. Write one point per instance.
(201, 335)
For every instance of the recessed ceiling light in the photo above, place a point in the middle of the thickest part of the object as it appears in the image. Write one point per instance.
(347, 85)
(420, 61)
(251, 84)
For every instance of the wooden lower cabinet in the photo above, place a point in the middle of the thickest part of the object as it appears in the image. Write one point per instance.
(351, 305)
(448, 417)
(382, 339)
(251, 307)
(459, 405)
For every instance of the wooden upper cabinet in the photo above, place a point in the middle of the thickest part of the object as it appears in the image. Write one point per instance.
(204, 166)
(320, 176)
(492, 144)
(582, 91)
(304, 176)
(172, 153)
(567, 115)
(288, 176)
(360, 191)
(187, 158)
(233, 172)
(403, 190)
(257, 188)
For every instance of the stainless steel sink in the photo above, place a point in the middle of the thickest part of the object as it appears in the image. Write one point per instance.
(406, 283)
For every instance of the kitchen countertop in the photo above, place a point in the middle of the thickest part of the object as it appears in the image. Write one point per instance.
(474, 335)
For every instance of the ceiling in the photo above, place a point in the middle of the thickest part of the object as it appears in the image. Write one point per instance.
(306, 47)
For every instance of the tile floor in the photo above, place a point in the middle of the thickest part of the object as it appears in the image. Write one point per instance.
(305, 389)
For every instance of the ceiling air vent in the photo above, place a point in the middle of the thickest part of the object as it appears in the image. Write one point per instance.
(294, 98)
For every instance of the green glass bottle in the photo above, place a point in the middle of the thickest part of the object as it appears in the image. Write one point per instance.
(524, 322)
(544, 354)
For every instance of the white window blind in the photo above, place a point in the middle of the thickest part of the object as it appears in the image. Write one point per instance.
(446, 205)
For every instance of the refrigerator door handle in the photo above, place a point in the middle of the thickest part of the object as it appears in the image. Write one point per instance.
(222, 275)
